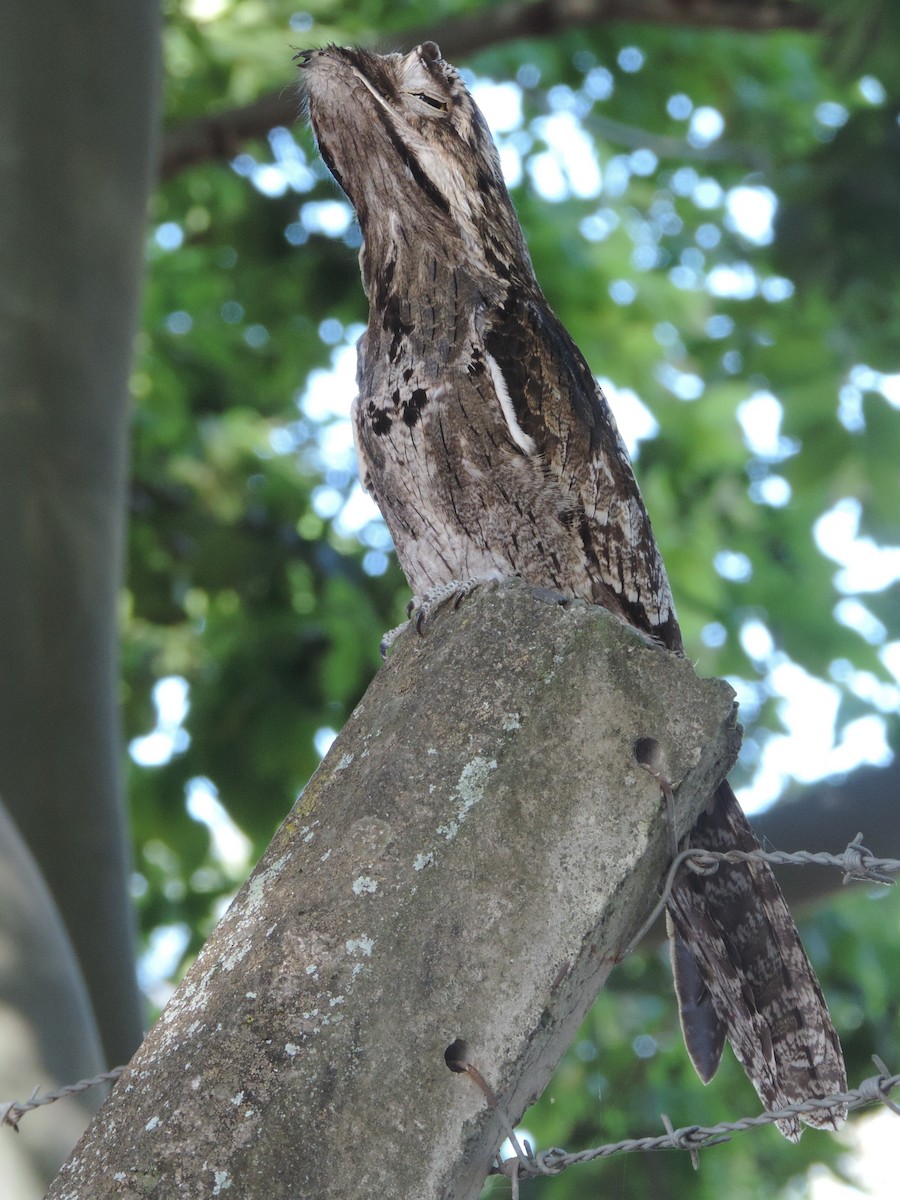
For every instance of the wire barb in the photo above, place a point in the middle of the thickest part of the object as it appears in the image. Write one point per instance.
(861, 865)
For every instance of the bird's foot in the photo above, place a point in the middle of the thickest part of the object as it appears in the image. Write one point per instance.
(421, 608)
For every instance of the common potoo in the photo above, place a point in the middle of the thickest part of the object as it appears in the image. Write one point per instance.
(492, 452)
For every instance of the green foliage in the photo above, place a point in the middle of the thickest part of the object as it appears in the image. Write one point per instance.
(244, 582)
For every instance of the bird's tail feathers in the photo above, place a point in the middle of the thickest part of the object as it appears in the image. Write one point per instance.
(741, 972)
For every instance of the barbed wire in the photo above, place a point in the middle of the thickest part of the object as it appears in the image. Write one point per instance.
(13, 1111)
(857, 862)
(693, 1138)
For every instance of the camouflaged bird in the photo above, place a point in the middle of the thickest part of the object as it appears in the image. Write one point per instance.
(492, 452)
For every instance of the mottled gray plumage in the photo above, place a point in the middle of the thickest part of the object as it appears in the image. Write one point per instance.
(492, 452)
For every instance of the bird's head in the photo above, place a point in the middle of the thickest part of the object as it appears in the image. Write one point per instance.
(407, 143)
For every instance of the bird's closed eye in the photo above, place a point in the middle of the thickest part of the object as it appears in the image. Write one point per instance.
(441, 105)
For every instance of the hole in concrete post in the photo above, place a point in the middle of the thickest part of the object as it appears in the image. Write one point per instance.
(649, 753)
(456, 1056)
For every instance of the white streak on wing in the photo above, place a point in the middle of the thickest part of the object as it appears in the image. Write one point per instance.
(516, 432)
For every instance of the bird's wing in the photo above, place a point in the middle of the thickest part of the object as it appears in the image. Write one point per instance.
(559, 412)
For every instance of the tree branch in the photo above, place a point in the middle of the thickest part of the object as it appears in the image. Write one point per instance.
(469, 862)
(220, 135)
